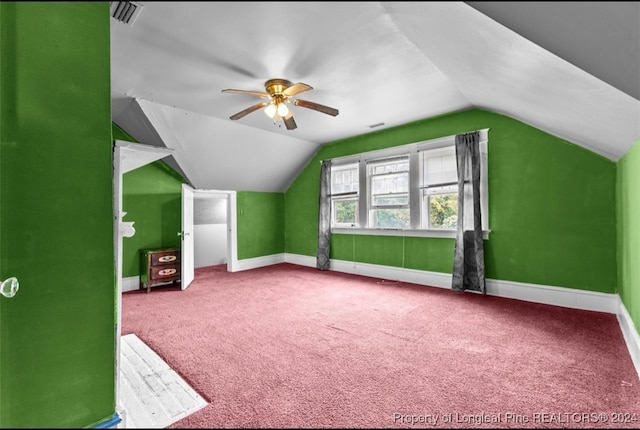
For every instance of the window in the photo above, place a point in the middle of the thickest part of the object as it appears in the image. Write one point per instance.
(413, 188)
(439, 188)
(344, 195)
(389, 193)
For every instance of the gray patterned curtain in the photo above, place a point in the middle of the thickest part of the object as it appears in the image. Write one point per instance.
(324, 217)
(468, 263)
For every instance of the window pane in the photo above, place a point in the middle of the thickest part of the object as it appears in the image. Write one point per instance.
(390, 183)
(344, 179)
(442, 210)
(390, 199)
(390, 218)
(439, 166)
(391, 166)
(389, 191)
(345, 212)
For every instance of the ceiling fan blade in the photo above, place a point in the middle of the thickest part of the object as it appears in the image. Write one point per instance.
(248, 110)
(296, 89)
(251, 93)
(290, 122)
(316, 106)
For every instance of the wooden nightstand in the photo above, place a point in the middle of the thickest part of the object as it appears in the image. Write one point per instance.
(159, 265)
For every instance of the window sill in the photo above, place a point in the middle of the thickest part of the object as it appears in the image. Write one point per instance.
(400, 232)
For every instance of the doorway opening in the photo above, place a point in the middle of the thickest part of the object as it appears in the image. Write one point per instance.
(129, 156)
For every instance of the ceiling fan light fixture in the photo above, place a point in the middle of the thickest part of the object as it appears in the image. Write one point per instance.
(283, 110)
(279, 93)
(270, 110)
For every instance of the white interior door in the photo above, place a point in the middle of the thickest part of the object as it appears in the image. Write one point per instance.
(187, 258)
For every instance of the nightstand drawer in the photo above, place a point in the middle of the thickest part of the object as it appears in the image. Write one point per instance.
(161, 273)
(165, 257)
(159, 266)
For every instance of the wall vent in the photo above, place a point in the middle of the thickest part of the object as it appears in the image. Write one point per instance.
(125, 11)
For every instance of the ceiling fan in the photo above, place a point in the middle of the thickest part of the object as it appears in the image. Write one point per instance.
(279, 92)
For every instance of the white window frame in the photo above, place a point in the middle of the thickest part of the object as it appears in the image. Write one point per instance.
(370, 176)
(344, 196)
(452, 183)
(413, 150)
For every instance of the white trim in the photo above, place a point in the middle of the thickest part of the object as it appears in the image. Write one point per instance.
(232, 223)
(232, 238)
(134, 155)
(253, 263)
(557, 296)
(422, 277)
(630, 334)
(411, 151)
(406, 148)
(131, 283)
(300, 260)
(127, 156)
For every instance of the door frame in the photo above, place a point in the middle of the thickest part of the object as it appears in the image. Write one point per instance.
(232, 220)
(129, 156)
(187, 237)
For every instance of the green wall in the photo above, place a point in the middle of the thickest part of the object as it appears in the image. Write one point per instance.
(628, 211)
(119, 134)
(152, 199)
(551, 207)
(260, 226)
(57, 335)
(551, 204)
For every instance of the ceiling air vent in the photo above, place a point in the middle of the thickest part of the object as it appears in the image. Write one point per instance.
(125, 11)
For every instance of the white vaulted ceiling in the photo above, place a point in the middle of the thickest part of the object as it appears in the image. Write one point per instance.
(377, 62)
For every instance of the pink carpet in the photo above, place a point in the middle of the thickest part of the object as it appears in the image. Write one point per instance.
(288, 346)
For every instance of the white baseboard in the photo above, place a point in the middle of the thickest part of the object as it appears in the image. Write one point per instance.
(421, 277)
(300, 260)
(630, 334)
(253, 263)
(131, 283)
(558, 296)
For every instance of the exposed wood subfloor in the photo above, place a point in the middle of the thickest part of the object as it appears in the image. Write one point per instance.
(151, 393)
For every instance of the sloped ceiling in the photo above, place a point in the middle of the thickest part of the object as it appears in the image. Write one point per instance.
(377, 62)
(602, 38)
